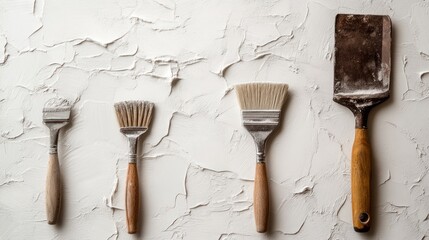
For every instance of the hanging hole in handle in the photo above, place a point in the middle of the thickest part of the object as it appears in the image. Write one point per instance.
(364, 218)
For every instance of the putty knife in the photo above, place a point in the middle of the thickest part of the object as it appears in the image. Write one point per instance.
(361, 81)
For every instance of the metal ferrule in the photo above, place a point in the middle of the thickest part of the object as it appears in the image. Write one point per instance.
(53, 146)
(260, 153)
(260, 124)
(133, 134)
(54, 129)
(260, 138)
(132, 142)
(261, 117)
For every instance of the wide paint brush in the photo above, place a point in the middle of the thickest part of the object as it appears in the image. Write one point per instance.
(134, 118)
(261, 105)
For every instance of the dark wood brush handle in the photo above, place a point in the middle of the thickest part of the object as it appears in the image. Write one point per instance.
(53, 189)
(261, 198)
(132, 198)
(361, 180)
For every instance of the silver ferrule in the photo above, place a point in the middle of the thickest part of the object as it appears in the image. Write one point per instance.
(132, 142)
(260, 124)
(260, 138)
(261, 117)
(260, 150)
(133, 134)
(53, 146)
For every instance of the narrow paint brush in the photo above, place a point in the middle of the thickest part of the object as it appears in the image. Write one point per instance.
(134, 118)
(56, 114)
(261, 105)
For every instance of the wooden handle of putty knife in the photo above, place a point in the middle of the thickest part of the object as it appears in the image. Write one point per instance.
(261, 198)
(53, 189)
(361, 180)
(132, 198)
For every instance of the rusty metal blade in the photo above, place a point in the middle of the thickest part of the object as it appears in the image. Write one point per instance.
(362, 57)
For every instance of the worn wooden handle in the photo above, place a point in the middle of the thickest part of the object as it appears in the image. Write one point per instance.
(361, 181)
(261, 198)
(132, 198)
(53, 189)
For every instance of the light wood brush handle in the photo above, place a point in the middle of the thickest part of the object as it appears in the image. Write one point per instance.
(53, 189)
(132, 198)
(261, 198)
(361, 180)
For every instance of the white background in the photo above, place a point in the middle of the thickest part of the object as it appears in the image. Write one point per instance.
(196, 165)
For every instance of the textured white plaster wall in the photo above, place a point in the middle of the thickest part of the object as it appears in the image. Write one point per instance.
(197, 164)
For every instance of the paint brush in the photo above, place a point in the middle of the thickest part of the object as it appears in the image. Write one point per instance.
(56, 114)
(134, 118)
(261, 105)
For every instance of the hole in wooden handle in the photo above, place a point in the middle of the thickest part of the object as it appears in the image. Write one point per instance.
(364, 218)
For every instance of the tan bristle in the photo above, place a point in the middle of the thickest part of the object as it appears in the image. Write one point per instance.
(124, 114)
(140, 113)
(261, 96)
(129, 112)
(134, 113)
(118, 115)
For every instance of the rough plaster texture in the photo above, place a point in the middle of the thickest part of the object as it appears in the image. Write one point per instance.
(197, 164)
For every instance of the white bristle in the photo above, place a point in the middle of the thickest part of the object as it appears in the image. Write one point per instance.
(134, 113)
(261, 96)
